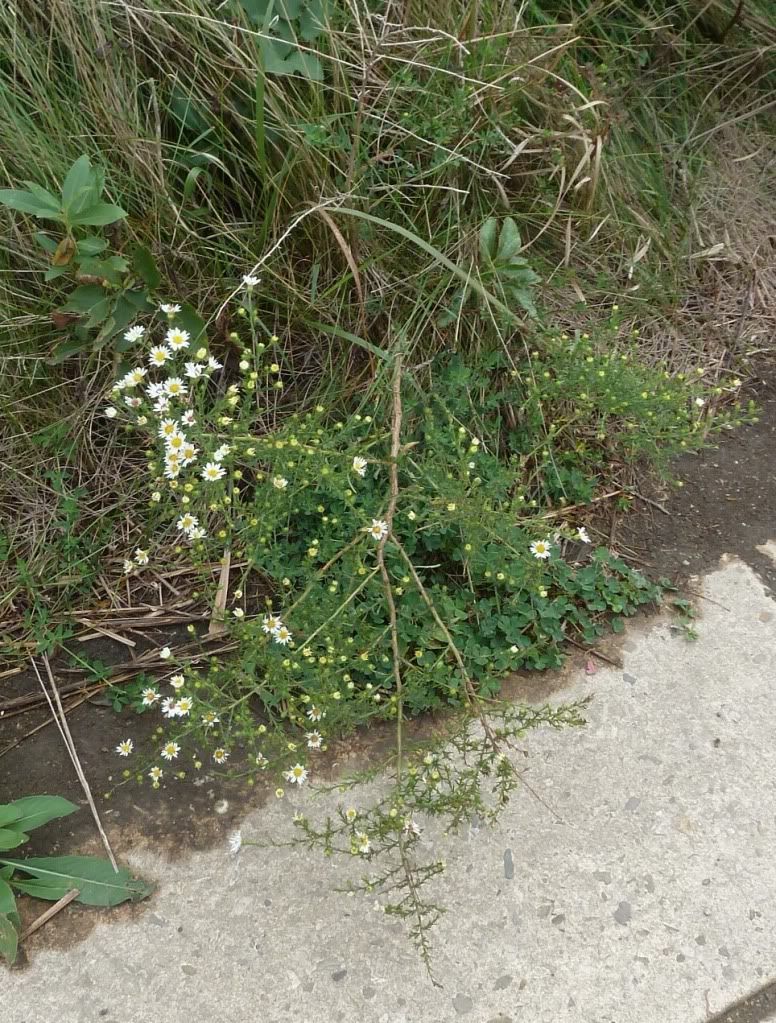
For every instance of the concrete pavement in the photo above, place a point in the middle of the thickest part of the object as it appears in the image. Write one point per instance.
(648, 895)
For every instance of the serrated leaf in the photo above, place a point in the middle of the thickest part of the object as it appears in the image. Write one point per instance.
(524, 299)
(35, 811)
(66, 349)
(509, 243)
(312, 20)
(99, 214)
(100, 312)
(487, 239)
(97, 882)
(145, 267)
(26, 202)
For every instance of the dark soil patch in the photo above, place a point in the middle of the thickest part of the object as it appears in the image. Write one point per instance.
(727, 504)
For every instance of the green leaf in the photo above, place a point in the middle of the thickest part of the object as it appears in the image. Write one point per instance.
(46, 242)
(10, 838)
(100, 312)
(509, 243)
(34, 811)
(190, 320)
(84, 298)
(55, 271)
(95, 879)
(66, 349)
(312, 20)
(9, 939)
(27, 202)
(487, 239)
(99, 214)
(78, 188)
(91, 246)
(144, 265)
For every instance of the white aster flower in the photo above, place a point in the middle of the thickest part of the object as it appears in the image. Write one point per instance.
(150, 696)
(194, 370)
(174, 387)
(170, 308)
(220, 453)
(136, 376)
(111, 412)
(700, 402)
(282, 635)
(210, 719)
(362, 843)
(128, 566)
(250, 281)
(213, 363)
(162, 404)
(220, 755)
(170, 750)
(212, 471)
(134, 334)
(378, 530)
(165, 653)
(279, 482)
(183, 706)
(315, 713)
(168, 428)
(175, 444)
(172, 466)
(410, 827)
(261, 760)
(133, 401)
(189, 453)
(359, 465)
(168, 706)
(582, 535)
(186, 522)
(155, 774)
(125, 747)
(541, 549)
(314, 740)
(158, 355)
(155, 389)
(297, 774)
(156, 496)
(238, 612)
(350, 814)
(197, 533)
(271, 623)
(177, 681)
(141, 556)
(177, 339)
(188, 418)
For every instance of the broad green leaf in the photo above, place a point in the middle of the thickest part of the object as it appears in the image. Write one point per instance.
(99, 214)
(91, 246)
(7, 900)
(100, 312)
(487, 239)
(84, 298)
(312, 20)
(46, 242)
(138, 297)
(509, 243)
(78, 190)
(95, 879)
(190, 320)
(10, 838)
(144, 265)
(46, 198)
(525, 299)
(26, 202)
(9, 939)
(66, 349)
(34, 811)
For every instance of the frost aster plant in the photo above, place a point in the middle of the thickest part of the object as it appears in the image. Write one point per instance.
(398, 558)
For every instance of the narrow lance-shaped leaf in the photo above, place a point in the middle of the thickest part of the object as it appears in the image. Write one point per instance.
(31, 812)
(97, 882)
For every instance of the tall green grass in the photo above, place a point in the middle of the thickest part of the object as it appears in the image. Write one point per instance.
(590, 123)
